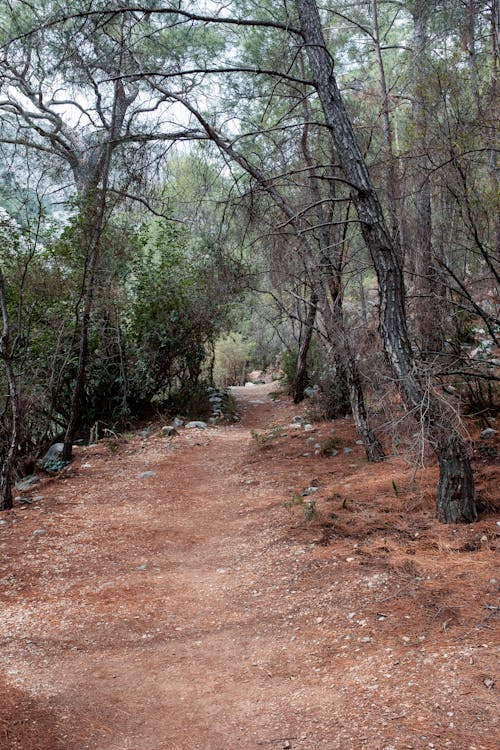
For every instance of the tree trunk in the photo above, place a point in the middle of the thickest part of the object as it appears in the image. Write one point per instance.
(455, 500)
(7, 470)
(91, 230)
(392, 181)
(429, 307)
(300, 379)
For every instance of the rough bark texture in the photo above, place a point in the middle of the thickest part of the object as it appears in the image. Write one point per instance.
(300, 380)
(6, 472)
(455, 500)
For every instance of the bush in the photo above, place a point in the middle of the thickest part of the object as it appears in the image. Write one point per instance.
(232, 354)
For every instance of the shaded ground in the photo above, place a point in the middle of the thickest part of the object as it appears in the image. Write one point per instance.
(192, 610)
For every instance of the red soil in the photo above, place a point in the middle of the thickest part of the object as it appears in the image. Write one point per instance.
(191, 610)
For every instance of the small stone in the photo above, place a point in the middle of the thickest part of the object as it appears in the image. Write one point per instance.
(40, 532)
(178, 422)
(169, 431)
(319, 620)
(297, 420)
(3, 522)
(334, 452)
(366, 639)
(294, 426)
(309, 491)
(311, 441)
(146, 474)
(196, 424)
(489, 682)
(309, 428)
(359, 442)
(347, 450)
(142, 567)
(27, 482)
(488, 433)
(350, 559)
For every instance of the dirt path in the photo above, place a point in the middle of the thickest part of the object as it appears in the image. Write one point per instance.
(188, 610)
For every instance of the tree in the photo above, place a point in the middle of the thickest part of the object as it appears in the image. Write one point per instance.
(96, 112)
(455, 498)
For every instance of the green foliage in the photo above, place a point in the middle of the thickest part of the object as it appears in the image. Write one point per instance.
(264, 439)
(232, 356)
(308, 507)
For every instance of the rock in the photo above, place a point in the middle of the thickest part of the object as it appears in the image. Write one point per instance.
(347, 450)
(178, 422)
(311, 441)
(215, 400)
(309, 491)
(53, 454)
(309, 428)
(196, 424)
(311, 391)
(169, 431)
(359, 442)
(294, 426)
(27, 482)
(334, 452)
(317, 446)
(40, 532)
(297, 420)
(488, 433)
(146, 474)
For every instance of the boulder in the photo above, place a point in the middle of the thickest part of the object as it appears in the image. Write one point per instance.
(53, 454)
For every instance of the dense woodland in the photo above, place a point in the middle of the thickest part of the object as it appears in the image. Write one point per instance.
(191, 190)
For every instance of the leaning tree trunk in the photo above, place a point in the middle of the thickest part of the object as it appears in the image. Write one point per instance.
(300, 379)
(455, 501)
(7, 470)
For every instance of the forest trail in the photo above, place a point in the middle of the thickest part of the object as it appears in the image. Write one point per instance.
(190, 610)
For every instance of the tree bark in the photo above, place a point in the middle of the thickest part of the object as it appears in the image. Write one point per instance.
(300, 379)
(429, 307)
(455, 501)
(7, 470)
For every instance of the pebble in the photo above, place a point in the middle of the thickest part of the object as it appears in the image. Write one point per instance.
(347, 450)
(309, 428)
(309, 491)
(146, 474)
(488, 433)
(196, 424)
(40, 532)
